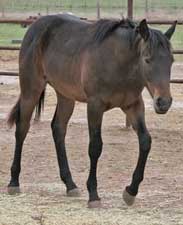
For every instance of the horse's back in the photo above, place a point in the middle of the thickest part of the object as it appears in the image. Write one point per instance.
(43, 23)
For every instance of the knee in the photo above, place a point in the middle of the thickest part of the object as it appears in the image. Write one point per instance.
(57, 130)
(95, 147)
(145, 142)
(54, 129)
(53, 125)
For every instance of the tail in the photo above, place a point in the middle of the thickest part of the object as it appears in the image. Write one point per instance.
(14, 115)
(40, 106)
(40, 45)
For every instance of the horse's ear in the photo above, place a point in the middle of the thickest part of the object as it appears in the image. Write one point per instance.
(143, 30)
(171, 30)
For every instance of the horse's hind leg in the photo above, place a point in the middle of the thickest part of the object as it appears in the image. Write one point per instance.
(59, 123)
(21, 115)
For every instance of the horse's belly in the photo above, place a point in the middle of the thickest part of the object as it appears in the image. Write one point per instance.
(73, 92)
(69, 89)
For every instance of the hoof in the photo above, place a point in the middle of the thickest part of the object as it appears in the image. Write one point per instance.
(129, 199)
(73, 193)
(12, 190)
(94, 204)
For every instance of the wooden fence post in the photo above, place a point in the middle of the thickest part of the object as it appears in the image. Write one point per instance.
(2, 7)
(130, 9)
(98, 9)
(146, 9)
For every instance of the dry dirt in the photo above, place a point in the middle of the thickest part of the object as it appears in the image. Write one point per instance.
(43, 200)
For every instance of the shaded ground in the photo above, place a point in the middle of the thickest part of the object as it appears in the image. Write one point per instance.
(43, 199)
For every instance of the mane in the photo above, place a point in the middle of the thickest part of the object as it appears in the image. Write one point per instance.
(105, 27)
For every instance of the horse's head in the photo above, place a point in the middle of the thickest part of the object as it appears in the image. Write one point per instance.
(157, 59)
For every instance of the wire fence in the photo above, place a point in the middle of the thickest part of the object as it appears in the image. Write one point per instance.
(151, 9)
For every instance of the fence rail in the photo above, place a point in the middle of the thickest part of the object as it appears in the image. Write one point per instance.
(12, 48)
(19, 21)
(9, 74)
(33, 19)
(9, 48)
(15, 74)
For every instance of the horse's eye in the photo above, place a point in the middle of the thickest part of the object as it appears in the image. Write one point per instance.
(147, 60)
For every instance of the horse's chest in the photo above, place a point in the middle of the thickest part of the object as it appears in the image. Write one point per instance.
(121, 99)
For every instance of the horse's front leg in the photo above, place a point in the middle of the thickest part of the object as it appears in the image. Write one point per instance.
(95, 112)
(136, 115)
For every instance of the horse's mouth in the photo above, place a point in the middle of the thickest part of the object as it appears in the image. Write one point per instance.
(160, 111)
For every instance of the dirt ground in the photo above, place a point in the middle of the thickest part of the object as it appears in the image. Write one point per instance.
(43, 200)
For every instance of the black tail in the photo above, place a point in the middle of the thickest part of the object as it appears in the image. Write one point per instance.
(14, 114)
(40, 106)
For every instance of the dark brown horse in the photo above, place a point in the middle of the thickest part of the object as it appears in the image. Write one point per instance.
(104, 64)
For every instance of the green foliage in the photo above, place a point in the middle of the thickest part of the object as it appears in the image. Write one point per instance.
(9, 32)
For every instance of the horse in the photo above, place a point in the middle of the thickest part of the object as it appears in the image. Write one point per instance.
(104, 64)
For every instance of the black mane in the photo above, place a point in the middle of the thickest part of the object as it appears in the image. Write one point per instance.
(105, 27)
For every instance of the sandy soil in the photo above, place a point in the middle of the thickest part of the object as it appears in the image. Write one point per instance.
(43, 200)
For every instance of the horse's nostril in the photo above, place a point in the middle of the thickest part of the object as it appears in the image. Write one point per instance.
(159, 102)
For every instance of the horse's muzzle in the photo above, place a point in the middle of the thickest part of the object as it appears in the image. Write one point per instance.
(162, 104)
